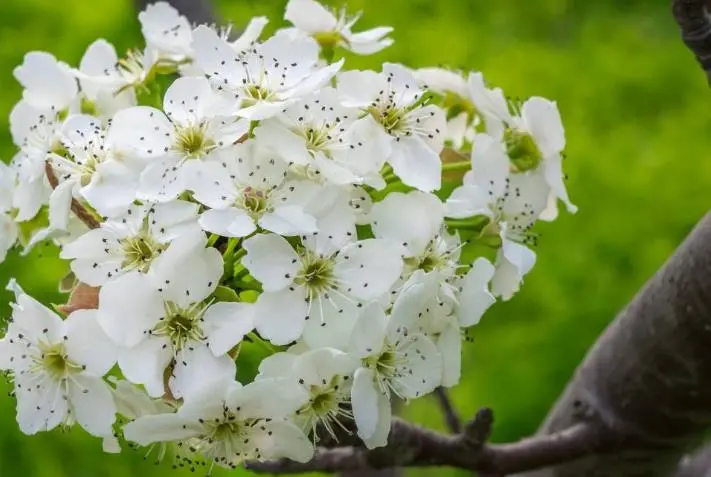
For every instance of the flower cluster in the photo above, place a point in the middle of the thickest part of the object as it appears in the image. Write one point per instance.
(277, 246)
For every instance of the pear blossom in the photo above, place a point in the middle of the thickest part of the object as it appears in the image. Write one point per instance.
(394, 360)
(228, 423)
(106, 81)
(88, 167)
(131, 241)
(167, 32)
(169, 317)
(328, 140)
(331, 29)
(394, 99)
(326, 375)
(246, 186)
(266, 78)
(57, 367)
(533, 137)
(191, 128)
(317, 289)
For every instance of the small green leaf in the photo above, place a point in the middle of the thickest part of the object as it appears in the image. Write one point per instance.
(223, 293)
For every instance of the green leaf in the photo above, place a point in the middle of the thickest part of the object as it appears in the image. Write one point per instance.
(223, 293)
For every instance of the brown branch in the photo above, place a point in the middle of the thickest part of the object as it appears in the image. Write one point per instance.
(198, 12)
(79, 210)
(694, 21)
(413, 446)
(450, 414)
(647, 381)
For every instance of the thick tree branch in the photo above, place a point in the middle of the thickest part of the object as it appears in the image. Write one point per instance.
(197, 12)
(647, 381)
(413, 446)
(695, 22)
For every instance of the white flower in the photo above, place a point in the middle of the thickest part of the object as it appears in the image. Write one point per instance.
(57, 367)
(246, 186)
(328, 139)
(169, 317)
(443, 81)
(474, 297)
(229, 423)
(166, 31)
(512, 203)
(104, 82)
(249, 35)
(129, 242)
(326, 375)
(9, 230)
(35, 132)
(533, 139)
(48, 83)
(316, 290)
(191, 128)
(393, 98)
(88, 167)
(394, 360)
(266, 78)
(310, 17)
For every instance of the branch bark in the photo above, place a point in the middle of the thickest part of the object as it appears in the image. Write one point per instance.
(646, 383)
(79, 210)
(198, 12)
(694, 21)
(413, 446)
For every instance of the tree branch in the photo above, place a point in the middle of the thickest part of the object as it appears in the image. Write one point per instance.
(450, 414)
(413, 446)
(646, 383)
(198, 12)
(693, 18)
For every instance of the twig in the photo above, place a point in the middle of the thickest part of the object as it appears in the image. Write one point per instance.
(695, 23)
(413, 446)
(450, 414)
(79, 210)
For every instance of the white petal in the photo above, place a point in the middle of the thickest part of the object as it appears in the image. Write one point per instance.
(142, 130)
(490, 102)
(161, 428)
(310, 16)
(411, 219)
(289, 220)
(196, 368)
(112, 188)
(512, 262)
(225, 324)
(205, 267)
(87, 344)
(365, 401)
(423, 371)
(41, 409)
(287, 441)
(277, 136)
(368, 268)
(475, 298)
(331, 321)
(250, 34)
(402, 81)
(165, 29)
(468, 201)
(543, 119)
(162, 180)
(124, 320)
(268, 398)
(271, 260)
(47, 82)
(449, 346)
(230, 222)
(145, 363)
(92, 404)
(490, 164)
(34, 319)
(416, 163)
(359, 88)
(443, 81)
(59, 205)
(280, 317)
(369, 41)
(170, 220)
(369, 332)
(213, 54)
(189, 100)
(316, 80)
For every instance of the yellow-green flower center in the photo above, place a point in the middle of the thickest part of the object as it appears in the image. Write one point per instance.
(139, 251)
(522, 150)
(316, 273)
(54, 361)
(193, 142)
(180, 325)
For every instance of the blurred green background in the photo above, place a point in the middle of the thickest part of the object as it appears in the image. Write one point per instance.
(636, 110)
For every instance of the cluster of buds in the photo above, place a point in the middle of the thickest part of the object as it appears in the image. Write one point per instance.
(275, 247)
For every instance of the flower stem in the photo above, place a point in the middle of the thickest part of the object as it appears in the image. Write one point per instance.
(456, 166)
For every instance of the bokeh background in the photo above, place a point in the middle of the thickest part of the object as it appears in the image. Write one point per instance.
(636, 110)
